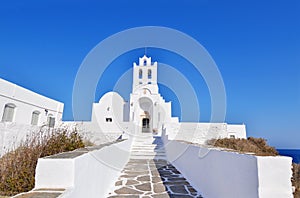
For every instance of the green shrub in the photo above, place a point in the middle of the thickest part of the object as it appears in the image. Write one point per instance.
(257, 146)
(17, 168)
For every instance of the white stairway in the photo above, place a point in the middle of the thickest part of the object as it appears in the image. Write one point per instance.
(145, 146)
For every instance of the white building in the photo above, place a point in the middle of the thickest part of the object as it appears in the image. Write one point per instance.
(22, 112)
(22, 106)
(148, 112)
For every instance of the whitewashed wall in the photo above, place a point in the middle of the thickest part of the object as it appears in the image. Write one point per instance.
(90, 175)
(12, 134)
(99, 130)
(92, 132)
(27, 102)
(217, 173)
(238, 130)
(201, 132)
(110, 106)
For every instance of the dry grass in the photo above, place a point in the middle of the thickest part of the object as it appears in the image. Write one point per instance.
(258, 146)
(17, 168)
(296, 179)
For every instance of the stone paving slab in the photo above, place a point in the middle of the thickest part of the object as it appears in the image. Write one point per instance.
(152, 178)
(149, 175)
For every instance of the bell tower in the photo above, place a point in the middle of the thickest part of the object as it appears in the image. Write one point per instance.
(145, 75)
(147, 108)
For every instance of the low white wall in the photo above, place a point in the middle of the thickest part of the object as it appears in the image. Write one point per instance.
(55, 173)
(201, 132)
(90, 175)
(91, 131)
(274, 176)
(217, 173)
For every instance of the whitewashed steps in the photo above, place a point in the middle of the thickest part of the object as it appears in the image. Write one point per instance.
(147, 147)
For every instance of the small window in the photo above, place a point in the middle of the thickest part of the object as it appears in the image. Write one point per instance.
(145, 62)
(140, 83)
(232, 136)
(108, 109)
(149, 82)
(140, 74)
(50, 121)
(149, 73)
(108, 119)
(35, 118)
(8, 113)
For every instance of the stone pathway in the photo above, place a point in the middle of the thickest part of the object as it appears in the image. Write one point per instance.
(149, 175)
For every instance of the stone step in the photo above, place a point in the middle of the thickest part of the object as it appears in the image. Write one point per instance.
(146, 146)
(150, 150)
(141, 152)
(154, 153)
(147, 155)
(39, 193)
(147, 149)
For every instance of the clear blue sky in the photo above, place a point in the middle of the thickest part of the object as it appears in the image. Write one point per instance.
(256, 45)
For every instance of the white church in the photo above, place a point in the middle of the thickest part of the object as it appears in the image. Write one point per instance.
(148, 112)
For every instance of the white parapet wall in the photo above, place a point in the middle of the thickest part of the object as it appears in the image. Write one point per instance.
(274, 175)
(216, 173)
(92, 132)
(89, 175)
(201, 132)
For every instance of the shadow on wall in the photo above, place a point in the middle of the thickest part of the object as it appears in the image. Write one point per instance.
(213, 171)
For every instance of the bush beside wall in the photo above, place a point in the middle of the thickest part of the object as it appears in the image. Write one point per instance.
(258, 146)
(17, 168)
(296, 179)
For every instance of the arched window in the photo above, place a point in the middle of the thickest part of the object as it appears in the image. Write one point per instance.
(140, 74)
(35, 118)
(50, 121)
(145, 62)
(8, 113)
(149, 73)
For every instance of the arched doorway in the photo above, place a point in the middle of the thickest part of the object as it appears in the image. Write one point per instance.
(146, 111)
